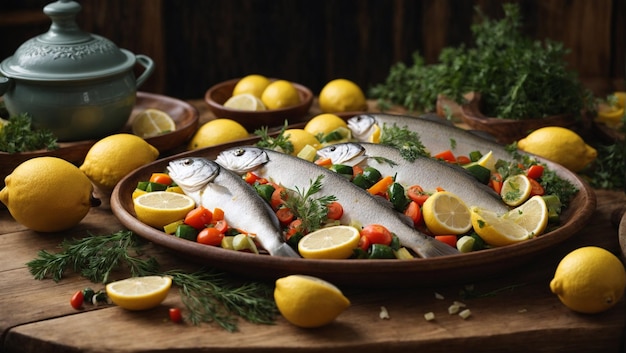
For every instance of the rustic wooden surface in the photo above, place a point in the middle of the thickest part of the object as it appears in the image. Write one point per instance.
(35, 316)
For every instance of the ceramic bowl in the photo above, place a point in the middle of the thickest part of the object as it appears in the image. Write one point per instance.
(218, 94)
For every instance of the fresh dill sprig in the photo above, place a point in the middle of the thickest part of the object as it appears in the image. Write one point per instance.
(406, 141)
(210, 298)
(18, 135)
(94, 257)
(207, 295)
(279, 143)
(312, 211)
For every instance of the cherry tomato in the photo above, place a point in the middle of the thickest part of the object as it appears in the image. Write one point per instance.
(176, 315)
(335, 210)
(221, 226)
(377, 234)
(277, 197)
(356, 170)
(210, 236)
(417, 194)
(285, 215)
(536, 188)
(462, 160)
(448, 239)
(198, 218)
(534, 171)
(364, 243)
(413, 212)
(77, 300)
(161, 178)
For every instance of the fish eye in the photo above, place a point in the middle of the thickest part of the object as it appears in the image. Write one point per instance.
(333, 148)
(239, 152)
(188, 161)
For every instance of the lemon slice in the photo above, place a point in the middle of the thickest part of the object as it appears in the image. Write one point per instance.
(307, 301)
(159, 208)
(495, 230)
(336, 242)
(532, 215)
(445, 213)
(245, 101)
(152, 122)
(375, 136)
(488, 161)
(139, 293)
(515, 190)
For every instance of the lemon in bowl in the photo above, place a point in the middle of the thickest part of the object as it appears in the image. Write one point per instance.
(253, 84)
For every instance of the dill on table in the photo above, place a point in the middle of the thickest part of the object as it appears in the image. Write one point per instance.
(207, 294)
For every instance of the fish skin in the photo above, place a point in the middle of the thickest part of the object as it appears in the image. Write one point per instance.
(212, 186)
(293, 172)
(424, 171)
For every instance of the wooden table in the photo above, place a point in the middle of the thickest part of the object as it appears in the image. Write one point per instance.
(35, 316)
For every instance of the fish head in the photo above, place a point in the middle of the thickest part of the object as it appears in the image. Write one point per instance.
(193, 173)
(242, 159)
(362, 126)
(348, 153)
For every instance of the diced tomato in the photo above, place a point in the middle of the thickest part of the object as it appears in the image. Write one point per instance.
(364, 243)
(335, 210)
(218, 214)
(377, 234)
(462, 160)
(294, 227)
(448, 239)
(356, 170)
(161, 178)
(446, 155)
(176, 315)
(285, 215)
(495, 182)
(414, 212)
(277, 197)
(534, 171)
(221, 226)
(210, 236)
(536, 188)
(199, 218)
(417, 194)
(250, 177)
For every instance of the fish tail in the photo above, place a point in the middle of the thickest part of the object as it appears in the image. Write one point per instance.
(432, 247)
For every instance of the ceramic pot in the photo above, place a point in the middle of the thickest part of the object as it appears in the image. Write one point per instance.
(78, 85)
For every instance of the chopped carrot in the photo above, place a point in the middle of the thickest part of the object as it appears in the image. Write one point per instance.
(324, 162)
(218, 214)
(381, 186)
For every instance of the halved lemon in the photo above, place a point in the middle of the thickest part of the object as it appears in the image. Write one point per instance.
(336, 242)
(152, 122)
(532, 215)
(445, 213)
(139, 293)
(245, 101)
(159, 208)
(515, 190)
(496, 230)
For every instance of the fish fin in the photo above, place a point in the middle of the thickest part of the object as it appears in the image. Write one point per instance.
(286, 251)
(434, 248)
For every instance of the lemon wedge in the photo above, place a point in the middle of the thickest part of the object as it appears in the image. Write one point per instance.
(152, 122)
(445, 213)
(139, 293)
(245, 101)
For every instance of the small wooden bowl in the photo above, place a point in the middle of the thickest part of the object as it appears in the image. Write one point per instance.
(218, 94)
(507, 131)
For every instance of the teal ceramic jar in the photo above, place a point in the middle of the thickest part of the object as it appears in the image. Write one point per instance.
(78, 85)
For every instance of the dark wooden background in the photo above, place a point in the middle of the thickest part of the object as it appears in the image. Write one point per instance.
(197, 43)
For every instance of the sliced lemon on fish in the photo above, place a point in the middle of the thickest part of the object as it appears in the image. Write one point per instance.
(159, 208)
(488, 161)
(139, 293)
(515, 189)
(532, 215)
(336, 242)
(152, 122)
(446, 213)
(375, 136)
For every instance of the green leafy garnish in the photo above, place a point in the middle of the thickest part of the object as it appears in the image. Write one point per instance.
(279, 143)
(312, 211)
(18, 135)
(406, 141)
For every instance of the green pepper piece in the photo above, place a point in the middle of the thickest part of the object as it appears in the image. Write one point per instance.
(265, 191)
(185, 231)
(142, 185)
(371, 174)
(475, 156)
(360, 181)
(395, 242)
(152, 186)
(397, 196)
(381, 251)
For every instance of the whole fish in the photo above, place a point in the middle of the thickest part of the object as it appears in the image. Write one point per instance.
(293, 172)
(214, 187)
(424, 171)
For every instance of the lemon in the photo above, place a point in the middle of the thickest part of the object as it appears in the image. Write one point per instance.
(445, 213)
(515, 189)
(280, 94)
(532, 215)
(245, 101)
(342, 95)
(152, 122)
(512, 227)
(488, 161)
(216, 132)
(47, 194)
(375, 136)
(612, 115)
(300, 138)
(560, 145)
(139, 293)
(335, 242)
(589, 280)
(252, 84)
(324, 124)
(159, 208)
(113, 157)
(307, 301)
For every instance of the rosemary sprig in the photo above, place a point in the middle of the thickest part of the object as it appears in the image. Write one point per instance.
(406, 141)
(278, 143)
(208, 296)
(312, 211)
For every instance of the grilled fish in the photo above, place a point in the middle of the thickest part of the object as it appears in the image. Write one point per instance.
(212, 186)
(293, 172)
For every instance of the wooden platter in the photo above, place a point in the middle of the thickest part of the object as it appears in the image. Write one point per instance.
(368, 273)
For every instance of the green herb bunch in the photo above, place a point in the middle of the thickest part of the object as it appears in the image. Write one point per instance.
(18, 135)
(518, 78)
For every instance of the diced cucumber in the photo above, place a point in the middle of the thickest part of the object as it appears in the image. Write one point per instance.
(479, 172)
(343, 170)
(465, 244)
(184, 231)
(475, 156)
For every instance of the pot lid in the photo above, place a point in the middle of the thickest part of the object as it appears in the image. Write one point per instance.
(65, 52)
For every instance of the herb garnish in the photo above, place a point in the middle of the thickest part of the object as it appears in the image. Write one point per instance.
(406, 141)
(279, 143)
(312, 211)
(18, 135)
(206, 294)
